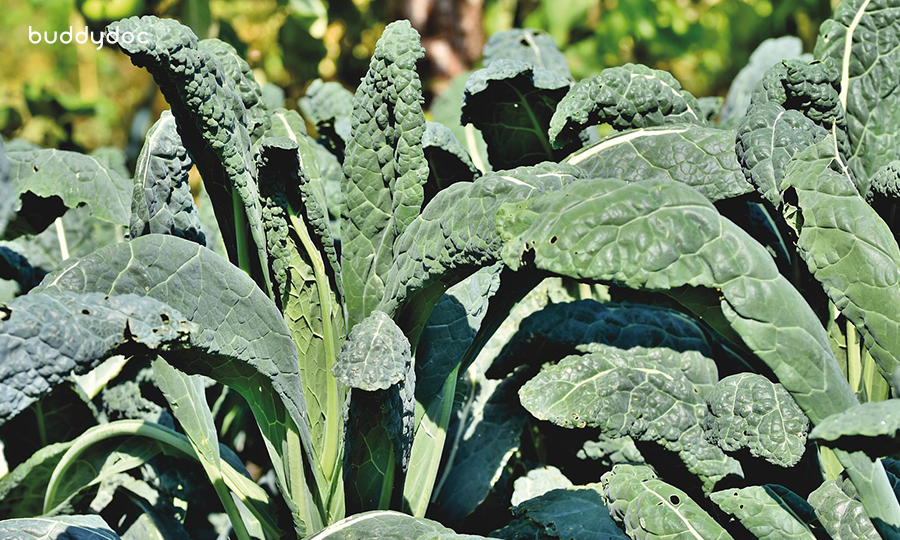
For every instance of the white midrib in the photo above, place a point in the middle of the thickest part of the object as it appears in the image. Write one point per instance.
(684, 520)
(848, 49)
(149, 145)
(575, 159)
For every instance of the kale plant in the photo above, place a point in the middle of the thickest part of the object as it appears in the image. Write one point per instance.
(500, 321)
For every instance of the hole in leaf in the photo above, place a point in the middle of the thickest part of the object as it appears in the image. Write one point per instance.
(553, 239)
(163, 317)
(35, 168)
(674, 499)
(523, 42)
(85, 312)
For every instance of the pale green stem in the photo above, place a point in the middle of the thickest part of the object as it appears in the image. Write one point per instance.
(61, 237)
(854, 363)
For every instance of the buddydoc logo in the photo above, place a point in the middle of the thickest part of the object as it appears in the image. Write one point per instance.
(83, 36)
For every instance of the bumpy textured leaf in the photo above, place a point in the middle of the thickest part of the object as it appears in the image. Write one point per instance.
(766, 55)
(871, 427)
(72, 177)
(527, 45)
(767, 139)
(884, 195)
(849, 250)
(162, 202)
(761, 510)
(629, 96)
(305, 273)
(247, 347)
(841, 513)
(451, 328)
(389, 526)
(448, 162)
(460, 227)
(241, 78)
(662, 235)
(329, 106)
(213, 123)
(748, 410)
(811, 88)
(385, 167)
(863, 36)
(484, 434)
(46, 337)
(561, 329)
(643, 393)
(376, 362)
(375, 356)
(537, 482)
(17, 268)
(511, 102)
(57, 528)
(651, 509)
(701, 157)
(575, 513)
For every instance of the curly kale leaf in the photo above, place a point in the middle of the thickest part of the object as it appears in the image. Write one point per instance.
(511, 102)
(162, 202)
(626, 97)
(884, 195)
(385, 167)
(748, 410)
(214, 126)
(842, 514)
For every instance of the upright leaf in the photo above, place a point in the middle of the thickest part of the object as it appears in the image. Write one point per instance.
(841, 512)
(376, 363)
(766, 55)
(385, 167)
(863, 36)
(162, 202)
(329, 106)
(448, 162)
(249, 349)
(511, 103)
(214, 126)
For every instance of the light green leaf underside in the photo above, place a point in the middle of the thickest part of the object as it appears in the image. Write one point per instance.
(651, 509)
(646, 394)
(763, 513)
(748, 410)
(387, 525)
(57, 528)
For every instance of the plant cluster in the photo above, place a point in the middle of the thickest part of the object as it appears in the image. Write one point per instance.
(689, 328)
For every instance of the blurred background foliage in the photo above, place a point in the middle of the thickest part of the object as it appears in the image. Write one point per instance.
(77, 97)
